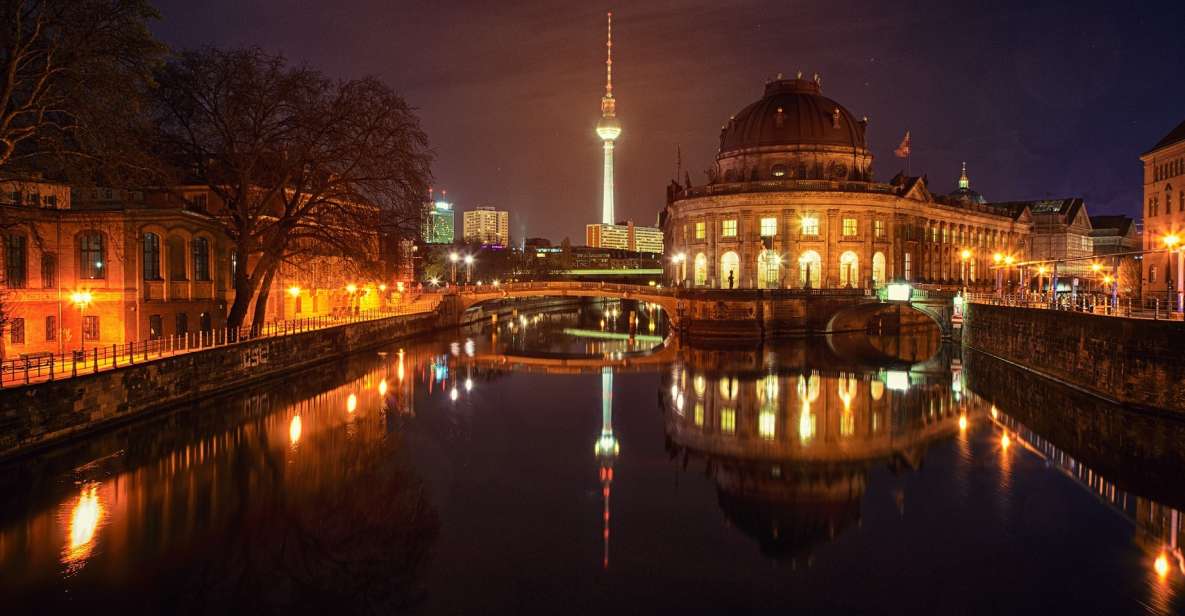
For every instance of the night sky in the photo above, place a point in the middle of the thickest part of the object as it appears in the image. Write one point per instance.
(1040, 99)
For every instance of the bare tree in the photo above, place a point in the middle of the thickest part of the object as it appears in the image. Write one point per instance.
(300, 163)
(72, 73)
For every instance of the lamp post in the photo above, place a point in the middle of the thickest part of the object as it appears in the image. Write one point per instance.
(678, 259)
(1095, 268)
(453, 257)
(1171, 242)
(468, 268)
(997, 258)
(963, 256)
(1041, 279)
(81, 299)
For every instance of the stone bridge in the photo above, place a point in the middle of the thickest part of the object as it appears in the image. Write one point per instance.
(740, 313)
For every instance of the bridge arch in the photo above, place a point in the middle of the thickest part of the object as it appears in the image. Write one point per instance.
(665, 299)
(863, 317)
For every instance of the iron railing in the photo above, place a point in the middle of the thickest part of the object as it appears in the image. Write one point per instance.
(1105, 305)
(41, 367)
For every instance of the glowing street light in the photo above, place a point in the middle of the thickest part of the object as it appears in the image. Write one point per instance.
(453, 258)
(468, 268)
(1161, 565)
(294, 291)
(82, 299)
(351, 288)
(1171, 242)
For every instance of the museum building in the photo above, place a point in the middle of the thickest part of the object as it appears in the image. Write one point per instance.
(791, 202)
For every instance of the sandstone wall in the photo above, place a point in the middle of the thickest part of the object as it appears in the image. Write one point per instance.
(1133, 361)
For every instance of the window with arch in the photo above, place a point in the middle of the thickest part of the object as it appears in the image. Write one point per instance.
(878, 269)
(701, 270)
(849, 269)
(810, 270)
(16, 266)
(151, 256)
(730, 271)
(92, 256)
(201, 258)
(907, 270)
(769, 270)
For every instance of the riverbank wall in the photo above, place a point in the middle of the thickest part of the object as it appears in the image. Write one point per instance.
(42, 414)
(1135, 362)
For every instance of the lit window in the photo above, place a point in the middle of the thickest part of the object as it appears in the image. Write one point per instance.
(878, 229)
(728, 420)
(728, 228)
(778, 171)
(849, 227)
(701, 230)
(769, 227)
(810, 225)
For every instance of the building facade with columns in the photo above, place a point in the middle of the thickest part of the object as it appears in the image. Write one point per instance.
(791, 202)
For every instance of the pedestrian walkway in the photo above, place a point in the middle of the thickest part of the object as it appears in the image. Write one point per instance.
(38, 368)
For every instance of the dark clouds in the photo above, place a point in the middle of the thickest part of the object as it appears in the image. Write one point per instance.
(1039, 98)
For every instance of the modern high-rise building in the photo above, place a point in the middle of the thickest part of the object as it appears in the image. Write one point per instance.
(438, 222)
(487, 225)
(624, 237)
(608, 129)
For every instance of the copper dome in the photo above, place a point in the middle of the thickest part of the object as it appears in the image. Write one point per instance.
(792, 112)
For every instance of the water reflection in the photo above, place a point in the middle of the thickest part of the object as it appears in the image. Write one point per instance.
(456, 475)
(789, 446)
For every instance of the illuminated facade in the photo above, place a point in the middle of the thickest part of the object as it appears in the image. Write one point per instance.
(791, 202)
(1164, 208)
(608, 129)
(624, 237)
(147, 271)
(489, 226)
(438, 223)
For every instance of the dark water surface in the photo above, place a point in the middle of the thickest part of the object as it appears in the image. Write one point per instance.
(546, 464)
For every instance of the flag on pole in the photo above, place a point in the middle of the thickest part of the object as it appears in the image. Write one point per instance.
(902, 150)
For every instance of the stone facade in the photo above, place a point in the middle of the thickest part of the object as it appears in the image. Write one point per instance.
(1164, 208)
(791, 202)
(150, 272)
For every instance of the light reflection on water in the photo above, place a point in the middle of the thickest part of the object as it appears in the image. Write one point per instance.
(365, 486)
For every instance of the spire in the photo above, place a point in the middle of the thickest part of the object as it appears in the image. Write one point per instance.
(608, 106)
(964, 182)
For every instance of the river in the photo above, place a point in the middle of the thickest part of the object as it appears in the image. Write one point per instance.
(555, 463)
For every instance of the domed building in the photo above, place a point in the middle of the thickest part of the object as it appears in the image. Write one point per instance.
(792, 202)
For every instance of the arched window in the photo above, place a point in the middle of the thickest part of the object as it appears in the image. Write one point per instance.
(778, 171)
(701, 270)
(201, 258)
(908, 272)
(151, 256)
(16, 264)
(730, 270)
(878, 269)
(176, 256)
(849, 270)
(810, 267)
(92, 256)
(769, 270)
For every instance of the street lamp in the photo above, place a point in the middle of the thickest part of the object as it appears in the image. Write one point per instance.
(81, 299)
(453, 257)
(997, 258)
(1171, 241)
(468, 268)
(966, 254)
(678, 259)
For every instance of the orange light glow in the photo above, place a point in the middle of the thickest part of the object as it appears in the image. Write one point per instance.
(966, 254)
(1005, 441)
(351, 403)
(294, 429)
(294, 291)
(1162, 565)
(84, 523)
(962, 423)
(383, 387)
